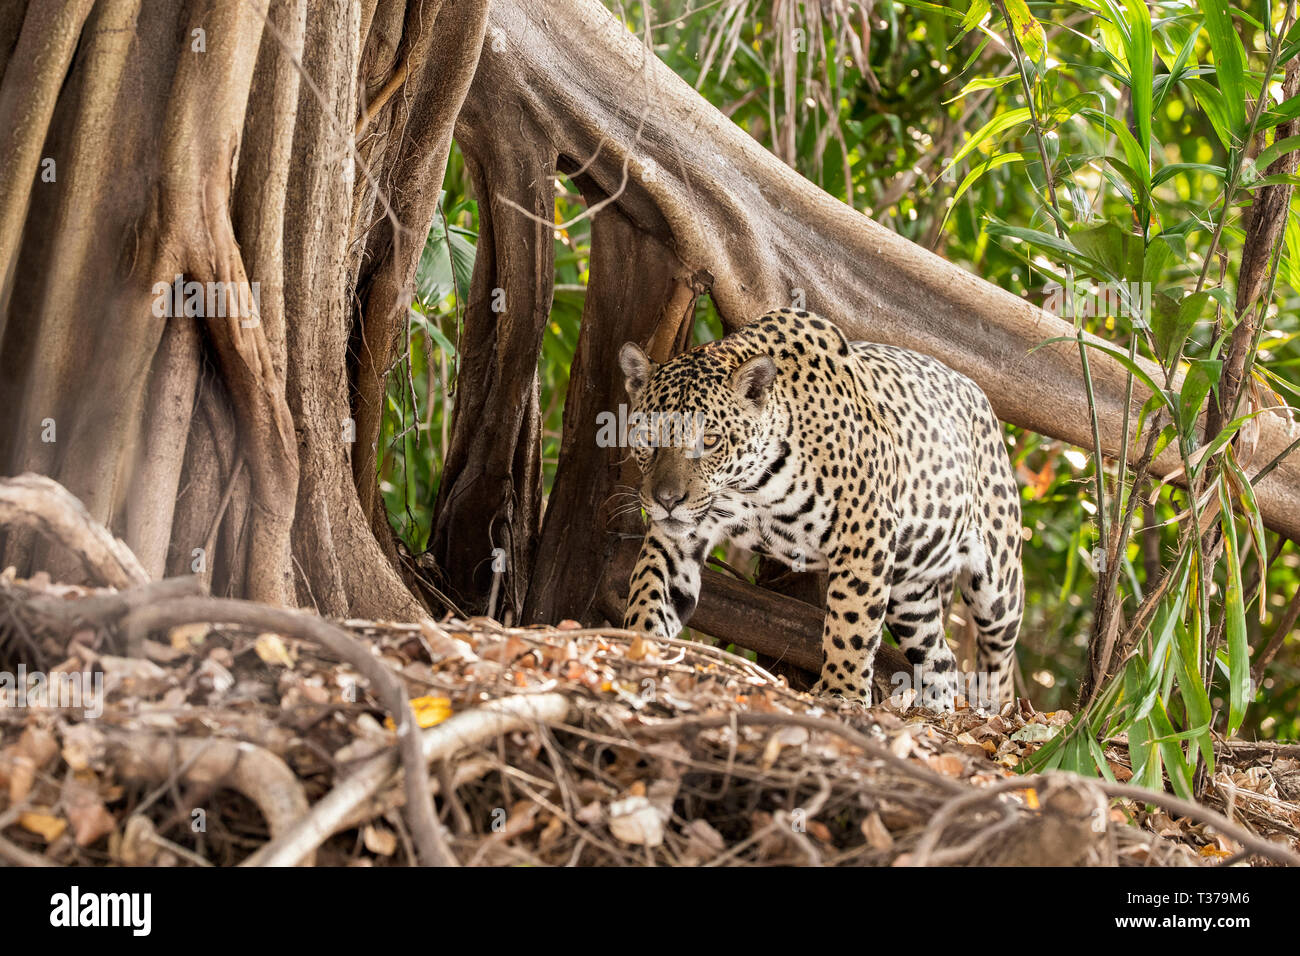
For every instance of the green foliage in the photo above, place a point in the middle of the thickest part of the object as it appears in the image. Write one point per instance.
(1113, 143)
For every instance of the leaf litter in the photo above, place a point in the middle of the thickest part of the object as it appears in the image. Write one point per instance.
(671, 753)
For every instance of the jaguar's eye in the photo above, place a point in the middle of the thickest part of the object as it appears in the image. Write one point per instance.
(710, 441)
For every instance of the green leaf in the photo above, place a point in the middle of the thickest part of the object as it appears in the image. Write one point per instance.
(1016, 117)
(1196, 386)
(1279, 148)
(1118, 253)
(1255, 518)
(1099, 757)
(983, 83)
(994, 127)
(1177, 68)
(1173, 169)
(1039, 239)
(1216, 110)
(1225, 435)
(1134, 154)
(1171, 327)
(1029, 32)
(1229, 62)
(1277, 179)
(993, 162)
(1288, 109)
(1179, 767)
(1159, 253)
(1191, 686)
(1119, 356)
(1143, 756)
(979, 9)
(434, 276)
(1134, 23)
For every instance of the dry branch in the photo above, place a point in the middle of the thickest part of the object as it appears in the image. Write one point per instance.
(390, 691)
(335, 810)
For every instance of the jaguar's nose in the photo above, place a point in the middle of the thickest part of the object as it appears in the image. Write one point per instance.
(670, 497)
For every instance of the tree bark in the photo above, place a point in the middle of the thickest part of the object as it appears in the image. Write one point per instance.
(239, 446)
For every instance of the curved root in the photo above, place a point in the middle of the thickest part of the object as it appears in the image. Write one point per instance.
(214, 761)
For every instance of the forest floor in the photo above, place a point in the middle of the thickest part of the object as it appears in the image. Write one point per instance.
(548, 746)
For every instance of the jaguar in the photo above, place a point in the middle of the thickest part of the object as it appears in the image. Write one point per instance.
(879, 465)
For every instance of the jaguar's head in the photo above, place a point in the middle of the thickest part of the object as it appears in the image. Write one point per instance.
(696, 426)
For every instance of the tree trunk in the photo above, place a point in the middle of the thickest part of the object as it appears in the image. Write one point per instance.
(259, 150)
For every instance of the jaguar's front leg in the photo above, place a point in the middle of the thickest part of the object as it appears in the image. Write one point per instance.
(665, 584)
(857, 595)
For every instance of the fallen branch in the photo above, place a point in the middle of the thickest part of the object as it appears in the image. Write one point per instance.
(1254, 749)
(104, 609)
(425, 829)
(823, 724)
(1197, 811)
(332, 812)
(1186, 808)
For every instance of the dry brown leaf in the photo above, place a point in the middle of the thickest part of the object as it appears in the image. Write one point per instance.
(84, 746)
(640, 649)
(186, 637)
(90, 819)
(637, 821)
(43, 823)
(784, 737)
(947, 764)
(703, 841)
(135, 846)
(39, 744)
(380, 841)
(552, 832)
(902, 745)
(21, 771)
(444, 645)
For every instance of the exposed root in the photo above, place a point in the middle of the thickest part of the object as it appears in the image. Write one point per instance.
(44, 505)
(212, 762)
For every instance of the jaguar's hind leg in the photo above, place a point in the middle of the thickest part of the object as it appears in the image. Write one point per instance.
(916, 617)
(995, 595)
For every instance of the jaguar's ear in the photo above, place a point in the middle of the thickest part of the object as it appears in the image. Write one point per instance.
(753, 380)
(637, 368)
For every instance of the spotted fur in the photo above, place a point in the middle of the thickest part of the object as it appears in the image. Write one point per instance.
(880, 465)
